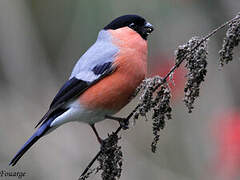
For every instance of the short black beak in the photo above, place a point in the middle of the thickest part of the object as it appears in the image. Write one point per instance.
(148, 27)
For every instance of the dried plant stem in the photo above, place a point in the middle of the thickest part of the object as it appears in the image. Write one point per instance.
(200, 42)
(90, 164)
(164, 80)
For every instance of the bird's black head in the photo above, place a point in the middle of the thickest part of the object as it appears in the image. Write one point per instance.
(135, 22)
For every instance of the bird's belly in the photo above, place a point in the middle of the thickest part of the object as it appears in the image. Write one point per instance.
(78, 113)
(112, 92)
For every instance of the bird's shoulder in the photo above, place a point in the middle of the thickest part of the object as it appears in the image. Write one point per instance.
(101, 52)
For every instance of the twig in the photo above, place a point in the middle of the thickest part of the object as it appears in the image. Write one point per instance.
(90, 164)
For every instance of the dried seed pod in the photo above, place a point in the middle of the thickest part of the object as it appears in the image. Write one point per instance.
(230, 41)
(195, 53)
(160, 113)
(110, 159)
(155, 98)
(147, 98)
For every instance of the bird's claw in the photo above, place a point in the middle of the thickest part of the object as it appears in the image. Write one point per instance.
(124, 122)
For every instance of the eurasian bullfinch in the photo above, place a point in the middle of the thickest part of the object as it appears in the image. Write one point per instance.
(102, 81)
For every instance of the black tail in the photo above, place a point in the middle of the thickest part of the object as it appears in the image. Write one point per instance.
(37, 135)
(24, 149)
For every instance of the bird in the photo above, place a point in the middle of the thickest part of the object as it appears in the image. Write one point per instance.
(102, 81)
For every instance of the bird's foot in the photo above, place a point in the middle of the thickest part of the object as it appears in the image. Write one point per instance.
(100, 140)
(124, 122)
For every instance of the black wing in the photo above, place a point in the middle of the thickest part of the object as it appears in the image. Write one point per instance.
(68, 90)
(74, 88)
